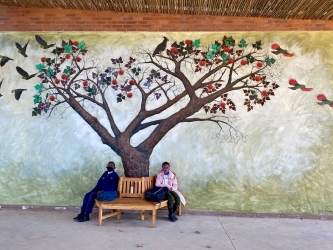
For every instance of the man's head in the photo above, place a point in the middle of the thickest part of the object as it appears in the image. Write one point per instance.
(166, 167)
(110, 166)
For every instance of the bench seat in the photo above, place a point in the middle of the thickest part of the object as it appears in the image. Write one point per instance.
(131, 197)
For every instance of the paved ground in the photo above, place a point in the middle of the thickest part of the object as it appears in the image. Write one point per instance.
(48, 230)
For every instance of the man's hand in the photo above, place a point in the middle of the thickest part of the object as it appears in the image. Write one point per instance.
(100, 191)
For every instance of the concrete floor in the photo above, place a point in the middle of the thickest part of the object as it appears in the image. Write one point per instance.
(47, 230)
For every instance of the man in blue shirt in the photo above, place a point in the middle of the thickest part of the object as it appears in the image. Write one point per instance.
(106, 187)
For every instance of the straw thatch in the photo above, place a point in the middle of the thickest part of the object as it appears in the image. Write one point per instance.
(284, 9)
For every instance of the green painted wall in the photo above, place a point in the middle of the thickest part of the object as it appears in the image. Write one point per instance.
(284, 164)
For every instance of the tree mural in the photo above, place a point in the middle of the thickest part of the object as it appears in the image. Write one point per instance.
(185, 75)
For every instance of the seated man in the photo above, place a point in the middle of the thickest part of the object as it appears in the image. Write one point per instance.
(105, 189)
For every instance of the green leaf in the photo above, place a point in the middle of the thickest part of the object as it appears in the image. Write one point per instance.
(68, 48)
(119, 99)
(133, 70)
(210, 55)
(242, 43)
(182, 43)
(270, 61)
(36, 112)
(67, 70)
(253, 97)
(37, 99)
(49, 72)
(257, 45)
(216, 48)
(40, 67)
(225, 57)
(230, 41)
(39, 87)
(81, 45)
(196, 43)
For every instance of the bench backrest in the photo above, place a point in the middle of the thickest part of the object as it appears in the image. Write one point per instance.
(135, 187)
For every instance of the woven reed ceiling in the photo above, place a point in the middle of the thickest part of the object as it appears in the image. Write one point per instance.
(284, 9)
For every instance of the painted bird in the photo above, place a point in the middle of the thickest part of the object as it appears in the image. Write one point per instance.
(18, 93)
(323, 100)
(22, 50)
(24, 74)
(42, 42)
(161, 47)
(296, 85)
(4, 60)
(278, 50)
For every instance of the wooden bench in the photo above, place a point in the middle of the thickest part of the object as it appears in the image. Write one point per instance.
(131, 197)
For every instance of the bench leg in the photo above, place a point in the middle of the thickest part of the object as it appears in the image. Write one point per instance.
(153, 218)
(100, 215)
(180, 210)
(142, 214)
(119, 214)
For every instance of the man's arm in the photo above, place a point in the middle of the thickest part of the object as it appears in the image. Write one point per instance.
(98, 184)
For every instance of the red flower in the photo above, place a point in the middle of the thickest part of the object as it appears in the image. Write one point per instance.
(132, 82)
(257, 78)
(288, 54)
(259, 64)
(210, 86)
(43, 59)
(188, 42)
(114, 82)
(275, 46)
(230, 60)
(67, 56)
(243, 62)
(264, 93)
(85, 83)
(76, 43)
(293, 81)
(222, 104)
(120, 72)
(78, 59)
(64, 77)
(226, 49)
(174, 50)
(52, 98)
(306, 89)
(129, 95)
(202, 63)
(321, 97)
(57, 81)
(331, 105)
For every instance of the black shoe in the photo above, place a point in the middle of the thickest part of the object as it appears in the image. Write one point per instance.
(175, 216)
(171, 215)
(84, 218)
(79, 216)
(174, 209)
(172, 218)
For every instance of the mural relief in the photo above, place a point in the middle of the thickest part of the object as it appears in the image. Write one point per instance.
(147, 97)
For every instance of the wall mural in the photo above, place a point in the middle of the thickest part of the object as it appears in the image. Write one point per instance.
(244, 118)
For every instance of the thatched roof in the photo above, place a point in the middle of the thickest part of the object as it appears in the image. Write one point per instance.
(284, 9)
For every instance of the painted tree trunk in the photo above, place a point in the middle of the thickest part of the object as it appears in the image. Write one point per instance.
(135, 163)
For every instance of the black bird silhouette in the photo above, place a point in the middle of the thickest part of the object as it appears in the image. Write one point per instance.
(18, 93)
(161, 47)
(24, 74)
(4, 60)
(22, 50)
(0, 86)
(42, 42)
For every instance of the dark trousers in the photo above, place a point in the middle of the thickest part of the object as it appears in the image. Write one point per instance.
(88, 202)
(173, 199)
